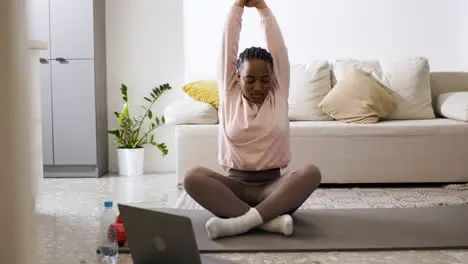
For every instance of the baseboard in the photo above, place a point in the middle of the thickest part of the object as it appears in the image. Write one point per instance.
(72, 171)
(115, 172)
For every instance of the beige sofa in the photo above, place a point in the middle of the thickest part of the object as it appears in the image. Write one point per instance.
(390, 151)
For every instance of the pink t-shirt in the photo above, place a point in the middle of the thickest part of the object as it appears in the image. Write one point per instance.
(253, 138)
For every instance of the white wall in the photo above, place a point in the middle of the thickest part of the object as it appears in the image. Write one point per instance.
(144, 50)
(328, 29)
(154, 41)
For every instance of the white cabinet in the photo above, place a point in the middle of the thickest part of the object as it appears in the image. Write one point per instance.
(72, 27)
(46, 112)
(73, 86)
(74, 117)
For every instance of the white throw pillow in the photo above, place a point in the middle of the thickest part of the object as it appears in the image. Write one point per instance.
(309, 84)
(190, 111)
(453, 105)
(342, 66)
(410, 84)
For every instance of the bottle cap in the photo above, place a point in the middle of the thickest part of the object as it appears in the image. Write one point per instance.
(108, 204)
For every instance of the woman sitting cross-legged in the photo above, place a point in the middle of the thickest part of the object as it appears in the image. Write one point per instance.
(254, 142)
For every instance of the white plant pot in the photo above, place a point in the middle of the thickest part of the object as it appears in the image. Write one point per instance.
(131, 161)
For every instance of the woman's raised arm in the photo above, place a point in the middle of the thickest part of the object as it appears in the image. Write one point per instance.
(227, 70)
(275, 44)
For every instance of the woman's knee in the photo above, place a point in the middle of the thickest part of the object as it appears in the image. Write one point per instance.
(312, 174)
(193, 177)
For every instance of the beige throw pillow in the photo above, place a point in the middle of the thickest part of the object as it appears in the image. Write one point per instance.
(358, 98)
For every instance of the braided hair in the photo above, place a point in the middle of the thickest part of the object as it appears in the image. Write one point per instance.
(255, 53)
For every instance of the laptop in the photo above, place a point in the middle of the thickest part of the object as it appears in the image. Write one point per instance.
(158, 237)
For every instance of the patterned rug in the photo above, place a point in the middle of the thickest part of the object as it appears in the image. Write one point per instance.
(348, 198)
(372, 198)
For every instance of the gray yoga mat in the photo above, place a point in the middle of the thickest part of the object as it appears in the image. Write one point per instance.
(347, 230)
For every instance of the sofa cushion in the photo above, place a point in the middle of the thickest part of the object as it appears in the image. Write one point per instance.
(390, 128)
(439, 126)
(410, 81)
(309, 84)
(358, 98)
(453, 105)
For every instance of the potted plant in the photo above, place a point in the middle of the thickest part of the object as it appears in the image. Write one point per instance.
(132, 134)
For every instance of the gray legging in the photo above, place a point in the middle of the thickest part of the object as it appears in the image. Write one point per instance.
(271, 193)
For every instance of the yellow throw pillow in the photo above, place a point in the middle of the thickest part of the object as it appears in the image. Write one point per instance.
(205, 91)
(358, 98)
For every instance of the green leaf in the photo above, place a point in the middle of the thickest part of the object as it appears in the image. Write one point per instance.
(149, 100)
(117, 114)
(114, 132)
(163, 120)
(150, 114)
(123, 90)
(157, 121)
(162, 147)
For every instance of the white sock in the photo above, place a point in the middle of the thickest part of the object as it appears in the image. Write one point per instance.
(282, 224)
(218, 227)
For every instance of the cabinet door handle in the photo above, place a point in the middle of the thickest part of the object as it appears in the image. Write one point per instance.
(62, 60)
(43, 61)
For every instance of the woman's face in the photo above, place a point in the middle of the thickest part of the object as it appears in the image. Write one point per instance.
(255, 80)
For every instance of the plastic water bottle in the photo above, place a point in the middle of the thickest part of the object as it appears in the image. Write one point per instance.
(109, 246)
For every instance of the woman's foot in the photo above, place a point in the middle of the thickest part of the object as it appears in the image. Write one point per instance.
(282, 224)
(217, 227)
